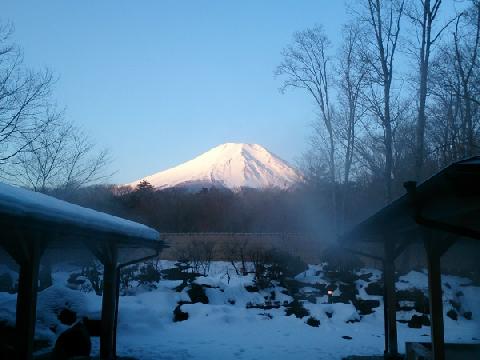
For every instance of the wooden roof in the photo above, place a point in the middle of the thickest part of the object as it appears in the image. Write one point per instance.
(449, 201)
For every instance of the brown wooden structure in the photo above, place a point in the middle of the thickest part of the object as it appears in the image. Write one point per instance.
(32, 222)
(437, 212)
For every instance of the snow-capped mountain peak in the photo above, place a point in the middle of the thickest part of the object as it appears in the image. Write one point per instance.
(231, 165)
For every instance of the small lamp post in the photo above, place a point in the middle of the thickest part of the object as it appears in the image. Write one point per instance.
(330, 294)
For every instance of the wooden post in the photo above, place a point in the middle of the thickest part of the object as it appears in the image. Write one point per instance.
(435, 298)
(27, 297)
(385, 312)
(109, 303)
(390, 298)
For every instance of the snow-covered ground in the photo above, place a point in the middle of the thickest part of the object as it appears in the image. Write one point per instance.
(226, 329)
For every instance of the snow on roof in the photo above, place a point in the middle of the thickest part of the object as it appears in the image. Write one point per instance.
(21, 202)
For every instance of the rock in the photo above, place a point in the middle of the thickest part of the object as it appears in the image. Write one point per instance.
(348, 292)
(179, 315)
(417, 321)
(94, 327)
(313, 322)
(452, 314)
(365, 307)
(417, 297)
(73, 342)
(67, 317)
(197, 294)
(296, 308)
(467, 315)
(375, 288)
(251, 288)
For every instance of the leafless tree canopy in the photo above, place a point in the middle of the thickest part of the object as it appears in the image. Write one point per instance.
(396, 100)
(25, 102)
(63, 157)
(39, 149)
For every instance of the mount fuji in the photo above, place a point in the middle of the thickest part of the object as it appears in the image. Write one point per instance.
(232, 166)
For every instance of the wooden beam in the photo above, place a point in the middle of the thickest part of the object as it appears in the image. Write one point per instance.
(435, 297)
(448, 228)
(109, 303)
(390, 314)
(403, 246)
(361, 253)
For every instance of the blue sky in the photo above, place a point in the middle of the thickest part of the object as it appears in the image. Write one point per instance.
(159, 82)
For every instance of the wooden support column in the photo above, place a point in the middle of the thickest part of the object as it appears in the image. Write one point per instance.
(385, 312)
(390, 313)
(27, 252)
(109, 302)
(435, 297)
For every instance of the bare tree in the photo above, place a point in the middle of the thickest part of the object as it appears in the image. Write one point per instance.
(61, 157)
(423, 15)
(351, 83)
(467, 41)
(352, 76)
(382, 21)
(306, 65)
(24, 99)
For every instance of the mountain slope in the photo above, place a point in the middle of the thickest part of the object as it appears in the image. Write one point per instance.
(229, 165)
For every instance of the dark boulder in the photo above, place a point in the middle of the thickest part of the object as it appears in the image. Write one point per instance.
(313, 322)
(365, 307)
(375, 288)
(452, 314)
(67, 317)
(417, 321)
(179, 315)
(197, 294)
(93, 326)
(416, 296)
(73, 342)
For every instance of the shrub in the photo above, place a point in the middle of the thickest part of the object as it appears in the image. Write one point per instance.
(296, 308)
(313, 322)
(93, 272)
(148, 275)
(127, 275)
(274, 265)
